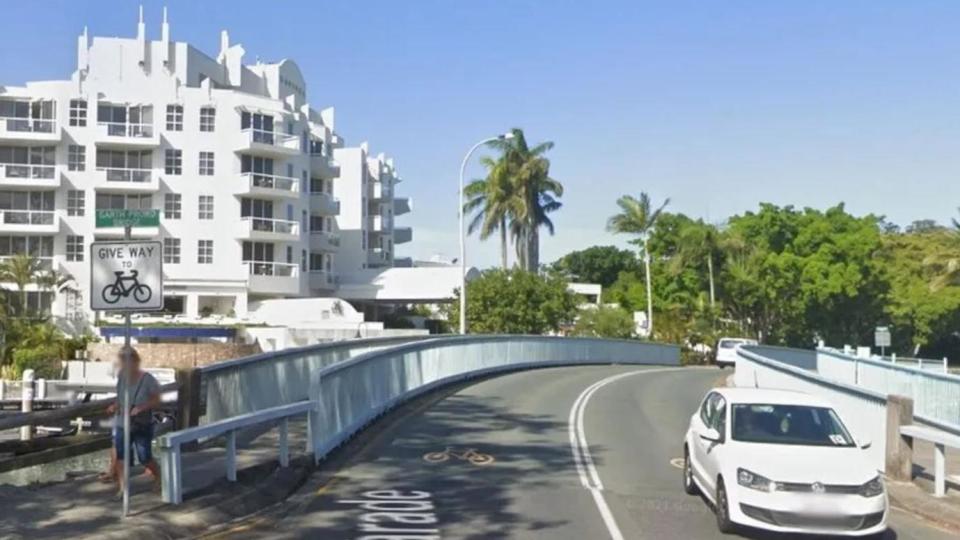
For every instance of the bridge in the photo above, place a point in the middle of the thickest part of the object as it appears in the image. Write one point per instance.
(472, 437)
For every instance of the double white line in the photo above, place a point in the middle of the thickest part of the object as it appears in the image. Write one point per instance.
(582, 458)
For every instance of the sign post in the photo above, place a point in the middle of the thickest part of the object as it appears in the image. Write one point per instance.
(881, 338)
(126, 276)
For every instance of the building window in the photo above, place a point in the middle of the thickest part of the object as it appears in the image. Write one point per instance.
(206, 163)
(205, 251)
(173, 161)
(75, 202)
(303, 260)
(78, 112)
(206, 207)
(171, 251)
(74, 248)
(76, 157)
(171, 206)
(208, 118)
(174, 117)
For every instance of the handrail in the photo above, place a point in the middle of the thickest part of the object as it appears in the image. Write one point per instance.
(815, 378)
(890, 365)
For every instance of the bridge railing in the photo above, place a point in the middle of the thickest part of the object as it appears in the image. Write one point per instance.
(350, 394)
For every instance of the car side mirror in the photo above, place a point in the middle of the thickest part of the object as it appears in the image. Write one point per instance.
(711, 435)
(866, 443)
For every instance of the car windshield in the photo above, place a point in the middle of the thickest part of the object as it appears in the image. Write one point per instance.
(730, 343)
(788, 424)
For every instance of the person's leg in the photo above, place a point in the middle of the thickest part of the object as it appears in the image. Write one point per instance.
(118, 457)
(143, 442)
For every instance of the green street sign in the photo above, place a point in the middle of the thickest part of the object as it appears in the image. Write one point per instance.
(128, 218)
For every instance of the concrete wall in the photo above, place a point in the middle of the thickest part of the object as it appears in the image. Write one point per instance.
(176, 355)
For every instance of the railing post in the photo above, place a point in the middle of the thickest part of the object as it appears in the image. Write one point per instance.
(893, 358)
(946, 365)
(232, 455)
(899, 449)
(940, 470)
(171, 475)
(284, 448)
(188, 400)
(26, 403)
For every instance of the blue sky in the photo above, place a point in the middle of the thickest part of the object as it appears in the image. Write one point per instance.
(718, 105)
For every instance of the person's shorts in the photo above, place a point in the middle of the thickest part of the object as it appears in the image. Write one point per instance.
(141, 439)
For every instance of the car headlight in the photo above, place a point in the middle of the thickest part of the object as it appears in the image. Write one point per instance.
(754, 481)
(872, 488)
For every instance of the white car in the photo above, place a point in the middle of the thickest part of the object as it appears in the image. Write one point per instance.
(727, 350)
(781, 461)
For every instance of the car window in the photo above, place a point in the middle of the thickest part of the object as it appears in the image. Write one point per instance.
(729, 343)
(789, 424)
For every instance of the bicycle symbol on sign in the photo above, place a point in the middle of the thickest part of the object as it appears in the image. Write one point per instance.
(470, 455)
(124, 286)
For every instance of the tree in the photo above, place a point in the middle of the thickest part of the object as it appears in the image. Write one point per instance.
(700, 243)
(532, 194)
(516, 302)
(493, 201)
(597, 264)
(944, 260)
(604, 321)
(22, 270)
(637, 217)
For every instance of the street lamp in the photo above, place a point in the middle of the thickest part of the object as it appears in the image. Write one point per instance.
(463, 243)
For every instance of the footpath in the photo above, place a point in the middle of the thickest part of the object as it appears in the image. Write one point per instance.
(83, 507)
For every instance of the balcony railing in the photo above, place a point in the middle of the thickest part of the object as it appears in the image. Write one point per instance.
(271, 138)
(331, 238)
(128, 175)
(320, 279)
(28, 217)
(280, 226)
(275, 269)
(125, 129)
(34, 172)
(18, 124)
(270, 181)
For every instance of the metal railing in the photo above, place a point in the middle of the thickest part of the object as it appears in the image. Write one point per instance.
(35, 172)
(350, 394)
(139, 176)
(275, 269)
(19, 124)
(270, 225)
(28, 217)
(272, 138)
(270, 181)
(125, 129)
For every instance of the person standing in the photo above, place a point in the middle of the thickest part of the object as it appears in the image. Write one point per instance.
(144, 398)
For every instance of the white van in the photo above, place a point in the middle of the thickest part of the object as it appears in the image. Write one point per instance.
(727, 350)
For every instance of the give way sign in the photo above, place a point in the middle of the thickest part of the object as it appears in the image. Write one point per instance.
(126, 276)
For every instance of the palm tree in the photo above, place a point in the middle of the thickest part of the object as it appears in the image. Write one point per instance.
(531, 194)
(700, 241)
(638, 217)
(492, 200)
(22, 270)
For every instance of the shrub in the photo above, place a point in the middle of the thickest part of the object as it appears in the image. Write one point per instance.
(44, 360)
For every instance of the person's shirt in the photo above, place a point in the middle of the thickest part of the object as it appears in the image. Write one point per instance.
(140, 392)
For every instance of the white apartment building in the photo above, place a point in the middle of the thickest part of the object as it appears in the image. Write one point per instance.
(259, 198)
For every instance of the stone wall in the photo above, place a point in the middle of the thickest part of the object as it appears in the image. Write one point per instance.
(175, 355)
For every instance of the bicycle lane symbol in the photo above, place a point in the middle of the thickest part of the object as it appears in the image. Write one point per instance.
(124, 286)
(470, 455)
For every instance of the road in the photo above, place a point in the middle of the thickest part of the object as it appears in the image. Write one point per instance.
(537, 486)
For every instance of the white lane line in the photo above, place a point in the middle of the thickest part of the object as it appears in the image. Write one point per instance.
(583, 459)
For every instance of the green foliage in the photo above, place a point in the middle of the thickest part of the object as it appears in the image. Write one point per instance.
(516, 302)
(597, 264)
(43, 359)
(604, 321)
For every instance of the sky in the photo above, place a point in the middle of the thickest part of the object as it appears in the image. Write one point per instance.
(718, 105)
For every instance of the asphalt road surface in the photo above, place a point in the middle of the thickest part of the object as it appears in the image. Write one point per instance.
(504, 458)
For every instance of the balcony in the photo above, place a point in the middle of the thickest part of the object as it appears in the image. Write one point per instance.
(402, 235)
(128, 180)
(29, 221)
(269, 186)
(324, 241)
(378, 257)
(29, 176)
(264, 277)
(380, 191)
(127, 135)
(322, 166)
(275, 230)
(29, 130)
(268, 143)
(320, 279)
(324, 204)
(401, 205)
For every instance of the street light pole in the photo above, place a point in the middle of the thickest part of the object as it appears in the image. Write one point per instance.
(463, 242)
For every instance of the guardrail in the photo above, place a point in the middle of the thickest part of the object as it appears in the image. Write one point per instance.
(936, 396)
(350, 394)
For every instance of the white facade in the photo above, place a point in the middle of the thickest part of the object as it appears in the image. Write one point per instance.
(244, 172)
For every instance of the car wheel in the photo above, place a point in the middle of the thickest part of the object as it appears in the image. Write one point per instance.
(723, 510)
(689, 486)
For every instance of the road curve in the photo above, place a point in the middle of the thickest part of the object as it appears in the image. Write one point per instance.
(566, 453)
